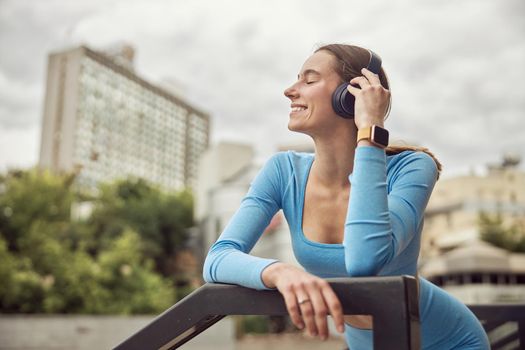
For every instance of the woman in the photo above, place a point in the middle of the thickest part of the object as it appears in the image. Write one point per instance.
(355, 208)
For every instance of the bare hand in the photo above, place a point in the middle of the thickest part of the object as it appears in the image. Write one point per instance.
(309, 299)
(371, 100)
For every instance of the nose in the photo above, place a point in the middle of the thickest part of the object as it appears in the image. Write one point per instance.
(291, 92)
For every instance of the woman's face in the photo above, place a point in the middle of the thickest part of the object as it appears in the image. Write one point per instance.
(311, 94)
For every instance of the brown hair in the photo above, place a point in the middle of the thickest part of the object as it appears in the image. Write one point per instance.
(351, 60)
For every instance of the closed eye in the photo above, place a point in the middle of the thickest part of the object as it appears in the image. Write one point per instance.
(310, 82)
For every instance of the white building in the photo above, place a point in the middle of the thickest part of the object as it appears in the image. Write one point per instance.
(104, 122)
(226, 172)
(453, 255)
(479, 273)
(453, 211)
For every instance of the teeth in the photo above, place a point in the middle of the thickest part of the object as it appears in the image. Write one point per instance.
(297, 109)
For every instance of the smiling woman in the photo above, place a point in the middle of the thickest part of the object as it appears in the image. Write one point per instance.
(355, 208)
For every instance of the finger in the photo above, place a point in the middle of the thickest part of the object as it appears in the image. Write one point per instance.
(371, 76)
(353, 90)
(321, 313)
(293, 309)
(307, 312)
(335, 307)
(361, 81)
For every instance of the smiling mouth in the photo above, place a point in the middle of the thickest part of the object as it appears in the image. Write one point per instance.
(298, 109)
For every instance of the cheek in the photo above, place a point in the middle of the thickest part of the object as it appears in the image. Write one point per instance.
(323, 101)
(324, 93)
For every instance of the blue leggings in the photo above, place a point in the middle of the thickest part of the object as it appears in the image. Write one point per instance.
(446, 324)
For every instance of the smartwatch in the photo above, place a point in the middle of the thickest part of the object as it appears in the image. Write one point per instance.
(375, 134)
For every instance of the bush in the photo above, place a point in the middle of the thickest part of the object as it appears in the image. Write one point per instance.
(110, 263)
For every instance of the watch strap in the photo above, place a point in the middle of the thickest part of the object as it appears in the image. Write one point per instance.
(364, 134)
(369, 133)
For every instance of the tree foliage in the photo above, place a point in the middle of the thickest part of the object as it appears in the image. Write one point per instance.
(508, 235)
(161, 218)
(116, 260)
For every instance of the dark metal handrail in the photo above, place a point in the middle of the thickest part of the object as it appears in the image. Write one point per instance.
(496, 317)
(392, 301)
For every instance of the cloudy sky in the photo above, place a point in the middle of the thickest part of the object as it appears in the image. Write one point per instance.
(457, 68)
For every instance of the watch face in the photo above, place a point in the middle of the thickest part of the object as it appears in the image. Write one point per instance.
(380, 136)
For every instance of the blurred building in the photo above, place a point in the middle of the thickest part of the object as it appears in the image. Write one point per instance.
(453, 255)
(104, 121)
(227, 171)
(453, 211)
(477, 272)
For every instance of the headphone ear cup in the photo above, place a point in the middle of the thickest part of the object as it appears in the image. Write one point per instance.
(343, 102)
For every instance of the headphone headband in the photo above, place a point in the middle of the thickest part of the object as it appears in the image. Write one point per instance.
(374, 65)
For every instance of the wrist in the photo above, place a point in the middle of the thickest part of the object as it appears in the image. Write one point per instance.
(374, 135)
(368, 122)
(270, 273)
(366, 143)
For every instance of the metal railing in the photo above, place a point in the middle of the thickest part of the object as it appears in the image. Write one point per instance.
(503, 323)
(392, 301)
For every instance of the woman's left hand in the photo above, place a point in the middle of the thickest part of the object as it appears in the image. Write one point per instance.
(371, 100)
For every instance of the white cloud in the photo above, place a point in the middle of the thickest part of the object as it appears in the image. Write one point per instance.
(455, 67)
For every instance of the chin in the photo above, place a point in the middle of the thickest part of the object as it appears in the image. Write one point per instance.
(292, 126)
(297, 127)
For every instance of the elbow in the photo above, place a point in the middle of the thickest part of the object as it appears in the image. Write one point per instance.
(361, 268)
(206, 276)
(206, 269)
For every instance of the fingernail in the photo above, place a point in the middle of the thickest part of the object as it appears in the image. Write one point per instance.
(301, 326)
(341, 329)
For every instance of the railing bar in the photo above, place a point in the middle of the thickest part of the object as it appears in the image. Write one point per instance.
(509, 338)
(503, 312)
(489, 326)
(382, 297)
(197, 329)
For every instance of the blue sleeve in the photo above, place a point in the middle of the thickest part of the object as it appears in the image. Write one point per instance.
(383, 218)
(228, 260)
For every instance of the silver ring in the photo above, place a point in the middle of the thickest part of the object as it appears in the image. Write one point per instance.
(304, 301)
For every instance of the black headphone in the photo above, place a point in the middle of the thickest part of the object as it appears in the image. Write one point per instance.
(342, 100)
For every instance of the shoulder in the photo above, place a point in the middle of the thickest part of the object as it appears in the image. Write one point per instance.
(290, 162)
(280, 172)
(411, 161)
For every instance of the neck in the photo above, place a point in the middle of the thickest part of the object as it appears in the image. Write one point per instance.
(334, 158)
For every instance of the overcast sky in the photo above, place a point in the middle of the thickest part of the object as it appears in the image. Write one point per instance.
(456, 68)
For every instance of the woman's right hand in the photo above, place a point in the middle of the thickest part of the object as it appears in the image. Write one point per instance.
(309, 299)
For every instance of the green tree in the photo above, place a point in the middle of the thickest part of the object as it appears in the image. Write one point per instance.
(27, 196)
(161, 219)
(51, 263)
(507, 235)
(20, 288)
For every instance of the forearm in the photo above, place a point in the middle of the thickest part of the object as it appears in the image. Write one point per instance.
(226, 264)
(368, 233)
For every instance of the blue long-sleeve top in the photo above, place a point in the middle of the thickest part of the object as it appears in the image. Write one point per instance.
(388, 195)
(382, 229)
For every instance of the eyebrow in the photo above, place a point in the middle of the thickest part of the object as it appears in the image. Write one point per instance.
(308, 71)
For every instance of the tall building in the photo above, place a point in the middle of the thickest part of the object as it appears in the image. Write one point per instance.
(104, 122)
